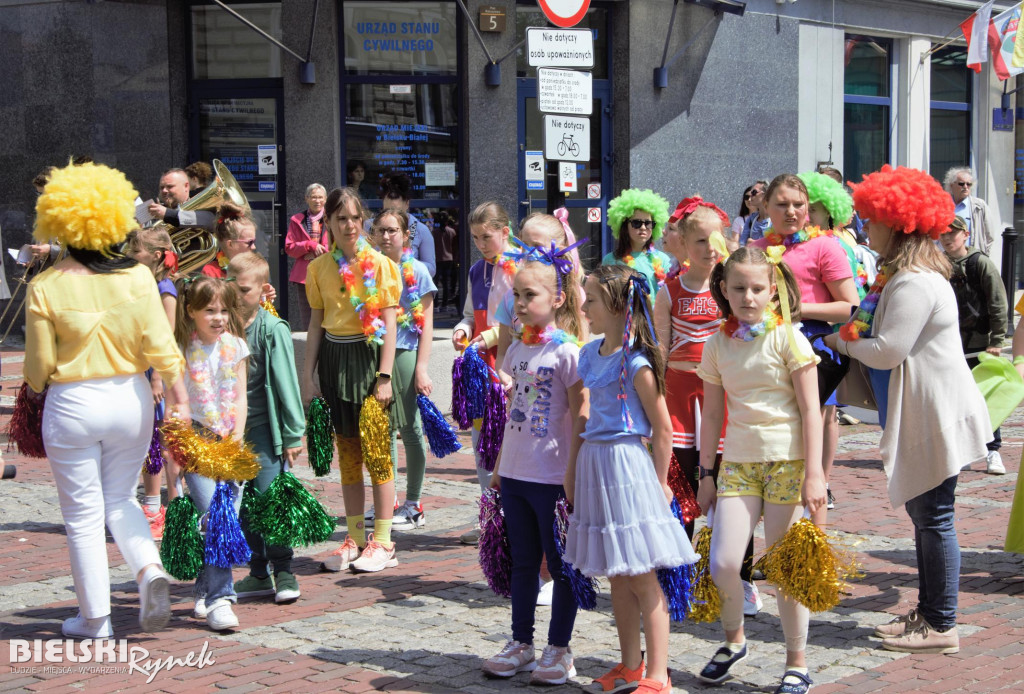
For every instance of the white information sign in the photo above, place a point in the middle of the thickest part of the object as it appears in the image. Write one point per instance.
(567, 138)
(560, 47)
(266, 155)
(440, 174)
(565, 91)
(567, 176)
(534, 170)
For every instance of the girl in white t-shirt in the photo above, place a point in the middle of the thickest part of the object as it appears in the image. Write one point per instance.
(764, 369)
(546, 420)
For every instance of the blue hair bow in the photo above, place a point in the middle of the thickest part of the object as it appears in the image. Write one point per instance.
(559, 258)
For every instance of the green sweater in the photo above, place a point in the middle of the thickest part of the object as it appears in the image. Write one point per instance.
(273, 387)
(993, 295)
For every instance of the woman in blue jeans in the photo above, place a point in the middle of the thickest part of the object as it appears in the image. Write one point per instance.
(906, 332)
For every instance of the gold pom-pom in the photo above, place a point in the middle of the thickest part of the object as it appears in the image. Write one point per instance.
(268, 306)
(88, 206)
(226, 459)
(375, 437)
(807, 567)
(706, 604)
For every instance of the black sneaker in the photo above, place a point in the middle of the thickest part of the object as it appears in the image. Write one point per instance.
(794, 682)
(717, 669)
(831, 503)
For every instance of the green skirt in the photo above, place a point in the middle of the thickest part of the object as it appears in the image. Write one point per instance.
(347, 368)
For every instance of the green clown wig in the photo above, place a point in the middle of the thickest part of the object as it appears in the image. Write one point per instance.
(832, 196)
(633, 199)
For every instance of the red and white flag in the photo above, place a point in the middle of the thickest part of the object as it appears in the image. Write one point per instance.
(976, 31)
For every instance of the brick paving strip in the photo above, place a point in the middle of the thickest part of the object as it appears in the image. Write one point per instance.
(427, 625)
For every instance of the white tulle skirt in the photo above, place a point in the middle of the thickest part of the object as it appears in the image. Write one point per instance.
(621, 522)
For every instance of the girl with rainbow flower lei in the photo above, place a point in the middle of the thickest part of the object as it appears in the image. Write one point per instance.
(389, 232)
(353, 294)
(822, 271)
(542, 435)
(764, 370)
(490, 278)
(209, 331)
(637, 218)
(907, 332)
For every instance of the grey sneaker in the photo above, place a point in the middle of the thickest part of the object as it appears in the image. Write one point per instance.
(471, 537)
(554, 667)
(252, 587)
(514, 657)
(408, 516)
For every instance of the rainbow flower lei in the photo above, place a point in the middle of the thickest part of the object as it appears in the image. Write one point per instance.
(415, 321)
(508, 265)
(738, 330)
(216, 409)
(805, 234)
(368, 307)
(862, 318)
(533, 336)
(654, 260)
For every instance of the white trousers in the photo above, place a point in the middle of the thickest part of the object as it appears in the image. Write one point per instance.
(97, 434)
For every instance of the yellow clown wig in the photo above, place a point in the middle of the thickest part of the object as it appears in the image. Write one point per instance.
(88, 206)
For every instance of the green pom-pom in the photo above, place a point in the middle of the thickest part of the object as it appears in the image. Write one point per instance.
(250, 506)
(181, 550)
(290, 516)
(319, 437)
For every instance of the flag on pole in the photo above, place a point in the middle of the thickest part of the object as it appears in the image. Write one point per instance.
(975, 29)
(1018, 47)
(1002, 37)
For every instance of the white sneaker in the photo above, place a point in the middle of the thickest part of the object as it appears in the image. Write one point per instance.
(375, 557)
(408, 516)
(554, 667)
(220, 616)
(995, 463)
(751, 599)
(82, 628)
(199, 611)
(514, 657)
(154, 599)
(545, 594)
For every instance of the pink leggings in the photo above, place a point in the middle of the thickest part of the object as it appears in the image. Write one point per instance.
(735, 520)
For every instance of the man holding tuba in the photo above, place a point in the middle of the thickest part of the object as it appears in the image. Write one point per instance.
(174, 190)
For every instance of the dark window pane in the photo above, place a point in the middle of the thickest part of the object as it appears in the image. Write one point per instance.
(225, 48)
(387, 129)
(596, 20)
(951, 79)
(950, 141)
(865, 139)
(400, 38)
(867, 65)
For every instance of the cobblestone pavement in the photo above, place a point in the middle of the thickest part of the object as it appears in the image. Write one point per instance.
(428, 625)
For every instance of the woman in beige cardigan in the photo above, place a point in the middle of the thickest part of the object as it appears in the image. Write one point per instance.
(934, 417)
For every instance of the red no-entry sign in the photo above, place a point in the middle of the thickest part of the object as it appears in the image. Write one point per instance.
(564, 13)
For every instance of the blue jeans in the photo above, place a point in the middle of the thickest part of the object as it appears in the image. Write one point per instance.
(938, 554)
(529, 520)
(212, 583)
(271, 466)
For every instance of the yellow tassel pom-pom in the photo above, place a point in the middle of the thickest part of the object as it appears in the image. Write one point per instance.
(706, 603)
(268, 306)
(806, 566)
(375, 437)
(226, 459)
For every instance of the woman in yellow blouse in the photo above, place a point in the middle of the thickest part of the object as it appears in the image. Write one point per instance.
(94, 325)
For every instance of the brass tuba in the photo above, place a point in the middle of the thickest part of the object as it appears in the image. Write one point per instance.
(197, 245)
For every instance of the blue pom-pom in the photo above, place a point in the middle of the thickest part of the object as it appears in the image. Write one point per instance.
(440, 435)
(677, 583)
(225, 542)
(476, 375)
(584, 590)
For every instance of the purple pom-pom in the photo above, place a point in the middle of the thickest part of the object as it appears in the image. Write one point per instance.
(225, 542)
(677, 583)
(459, 404)
(495, 555)
(476, 375)
(584, 590)
(440, 435)
(493, 430)
(155, 459)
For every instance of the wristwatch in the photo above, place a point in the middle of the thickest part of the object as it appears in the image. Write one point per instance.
(381, 374)
(704, 472)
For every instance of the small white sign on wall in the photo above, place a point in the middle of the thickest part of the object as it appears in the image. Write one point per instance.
(567, 177)
(266, 156)
(439, 174)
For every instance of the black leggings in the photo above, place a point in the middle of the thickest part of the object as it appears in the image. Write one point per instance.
(689, 464)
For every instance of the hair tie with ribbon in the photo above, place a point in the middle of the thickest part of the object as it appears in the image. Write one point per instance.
(523, 254)
(688, 206)
(171, 261)
(559, 258)
(562, 215)
(774, 255)
(637, 283)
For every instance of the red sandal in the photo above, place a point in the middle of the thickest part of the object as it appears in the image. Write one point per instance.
(620, 678)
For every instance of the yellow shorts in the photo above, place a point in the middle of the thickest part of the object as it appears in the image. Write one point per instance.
(776, 483)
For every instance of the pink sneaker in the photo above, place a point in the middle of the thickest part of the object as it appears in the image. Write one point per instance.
(341, 558)
(555, 666)
(156, 521)
(376, 557)
(514, 657)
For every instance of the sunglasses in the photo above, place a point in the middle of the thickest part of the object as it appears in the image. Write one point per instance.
(752, 194)
(964, 184)
(641, 223)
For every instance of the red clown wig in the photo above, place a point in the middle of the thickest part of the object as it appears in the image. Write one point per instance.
(908, 200)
